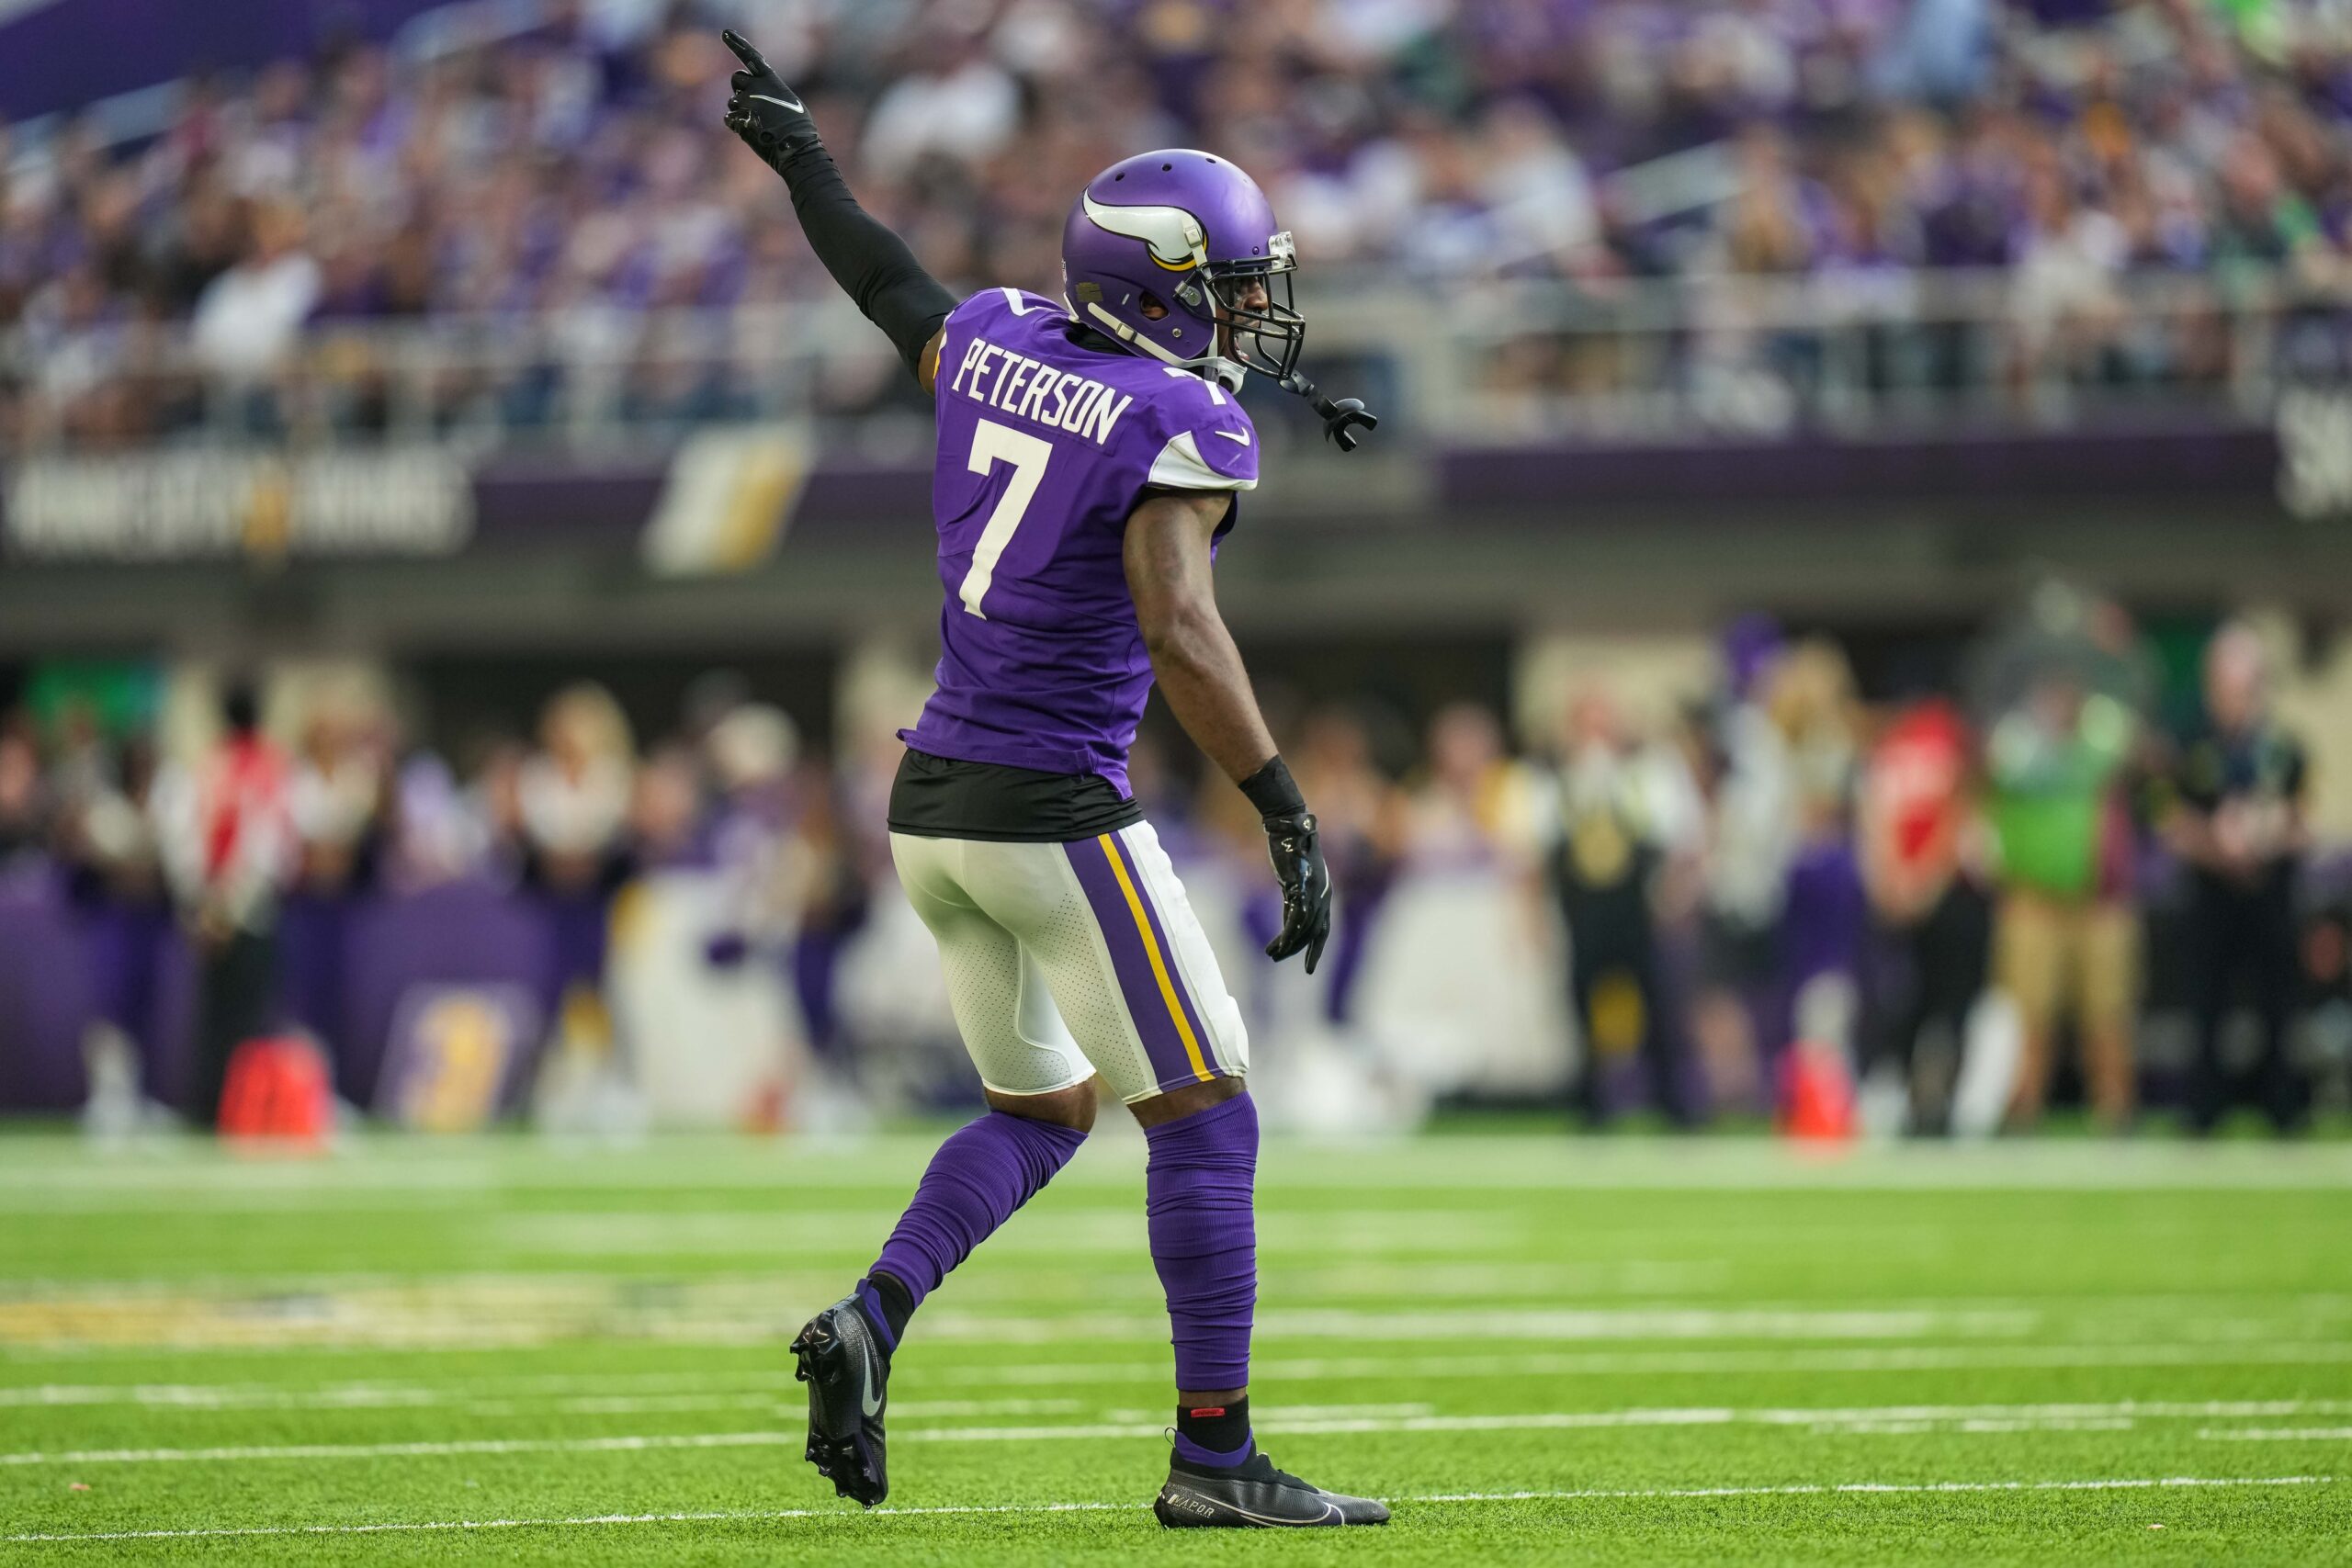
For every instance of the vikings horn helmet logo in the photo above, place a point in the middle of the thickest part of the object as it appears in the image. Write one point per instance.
(1193, 232)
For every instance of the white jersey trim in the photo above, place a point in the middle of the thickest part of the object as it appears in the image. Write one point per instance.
(1180, 466)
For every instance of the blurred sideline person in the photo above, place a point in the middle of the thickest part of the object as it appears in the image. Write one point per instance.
(226, 831)
(2068, 932)
(1474, 803)
(571, 802)
(24, 804)
(1917, 819)
(2239, 824)
(1814, 705)
(1603, 857)
(573, 791)
(1360, 818)
(1090, 455)
(336, 794)
(1748, 782)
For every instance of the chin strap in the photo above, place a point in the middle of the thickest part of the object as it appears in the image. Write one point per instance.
(1226, 373)
(1341, 420)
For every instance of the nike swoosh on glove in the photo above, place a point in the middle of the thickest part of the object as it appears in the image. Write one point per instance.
(1296, 847)
(766, 114)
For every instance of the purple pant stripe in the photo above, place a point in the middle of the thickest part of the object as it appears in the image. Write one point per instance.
(1162, 1046)
(1167, 953)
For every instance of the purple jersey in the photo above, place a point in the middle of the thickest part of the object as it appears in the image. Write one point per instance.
(1045, 446)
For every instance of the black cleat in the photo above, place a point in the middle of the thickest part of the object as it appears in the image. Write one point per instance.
(848, 1379)
(1253, 1494)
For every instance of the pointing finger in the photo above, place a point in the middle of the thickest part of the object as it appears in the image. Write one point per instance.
(743, 49)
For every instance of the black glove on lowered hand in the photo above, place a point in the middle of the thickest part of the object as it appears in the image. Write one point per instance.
(1296, 850)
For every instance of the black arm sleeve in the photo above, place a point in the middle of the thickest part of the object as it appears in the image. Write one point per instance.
(870, 263)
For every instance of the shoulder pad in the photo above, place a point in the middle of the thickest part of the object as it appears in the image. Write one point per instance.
(1208, 441)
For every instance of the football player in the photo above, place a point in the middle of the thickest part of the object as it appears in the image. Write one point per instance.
(1091, 452)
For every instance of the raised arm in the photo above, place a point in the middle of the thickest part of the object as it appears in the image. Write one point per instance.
(871, 264)
(1201, 674)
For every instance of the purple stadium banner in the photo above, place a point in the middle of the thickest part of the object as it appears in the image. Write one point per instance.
(2193, 460)
(67, 53)
(463, 933)
(428, 503)
(45, 997)
(63, 967)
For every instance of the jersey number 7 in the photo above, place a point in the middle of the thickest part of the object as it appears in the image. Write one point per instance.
(993, 444)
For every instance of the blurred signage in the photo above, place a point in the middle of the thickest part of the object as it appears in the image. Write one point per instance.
(455, 1053)
(729, 494)
(2315, 452)
(193, 505)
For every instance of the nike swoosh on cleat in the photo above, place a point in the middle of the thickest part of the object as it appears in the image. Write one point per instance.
(1331, 1511)
(795, 104)
(1241, 435)
(867, 1399)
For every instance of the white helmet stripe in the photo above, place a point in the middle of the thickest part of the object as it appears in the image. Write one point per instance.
(1174, 235)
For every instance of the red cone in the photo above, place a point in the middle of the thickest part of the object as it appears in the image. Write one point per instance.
(279, 1090)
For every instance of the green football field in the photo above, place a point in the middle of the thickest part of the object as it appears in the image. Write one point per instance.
(1541, 1350)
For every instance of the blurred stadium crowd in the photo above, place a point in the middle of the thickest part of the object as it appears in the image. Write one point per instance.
(517, 210)
(561, 161)
(2026, 871)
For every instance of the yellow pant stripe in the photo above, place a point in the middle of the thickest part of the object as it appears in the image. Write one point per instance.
(1158, 965)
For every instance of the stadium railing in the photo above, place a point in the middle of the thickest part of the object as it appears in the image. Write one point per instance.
(1851, 353)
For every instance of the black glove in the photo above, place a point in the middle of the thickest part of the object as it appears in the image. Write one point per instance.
(765, 113)
(1296, 850)
(1298, 853)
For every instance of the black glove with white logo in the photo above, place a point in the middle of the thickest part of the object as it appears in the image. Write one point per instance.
(765, 113)
(1296, 850)
(871, 264)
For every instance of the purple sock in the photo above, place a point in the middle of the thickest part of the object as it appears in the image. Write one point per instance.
(1205, 1239)
(1217, 1459)
(978, 1176)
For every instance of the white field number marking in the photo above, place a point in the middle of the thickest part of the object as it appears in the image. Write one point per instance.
(1323, 1421)
(1833, 1490)
(993, 444)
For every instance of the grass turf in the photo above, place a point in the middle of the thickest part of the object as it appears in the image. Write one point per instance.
(1689, 1352)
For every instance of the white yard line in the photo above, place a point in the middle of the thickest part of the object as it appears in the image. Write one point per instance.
(613, 1394)
(427, 1318)
(200, 1399)
(45, 1174)
(1664, 1322)
(639, 1233)
(2149, 1409)
(1326, 1421)
(516, 1289)
(1855, 1488)
(1620, 1363)
(2280, 1434)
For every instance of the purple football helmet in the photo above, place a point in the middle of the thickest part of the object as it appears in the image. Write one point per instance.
(1191, 232)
